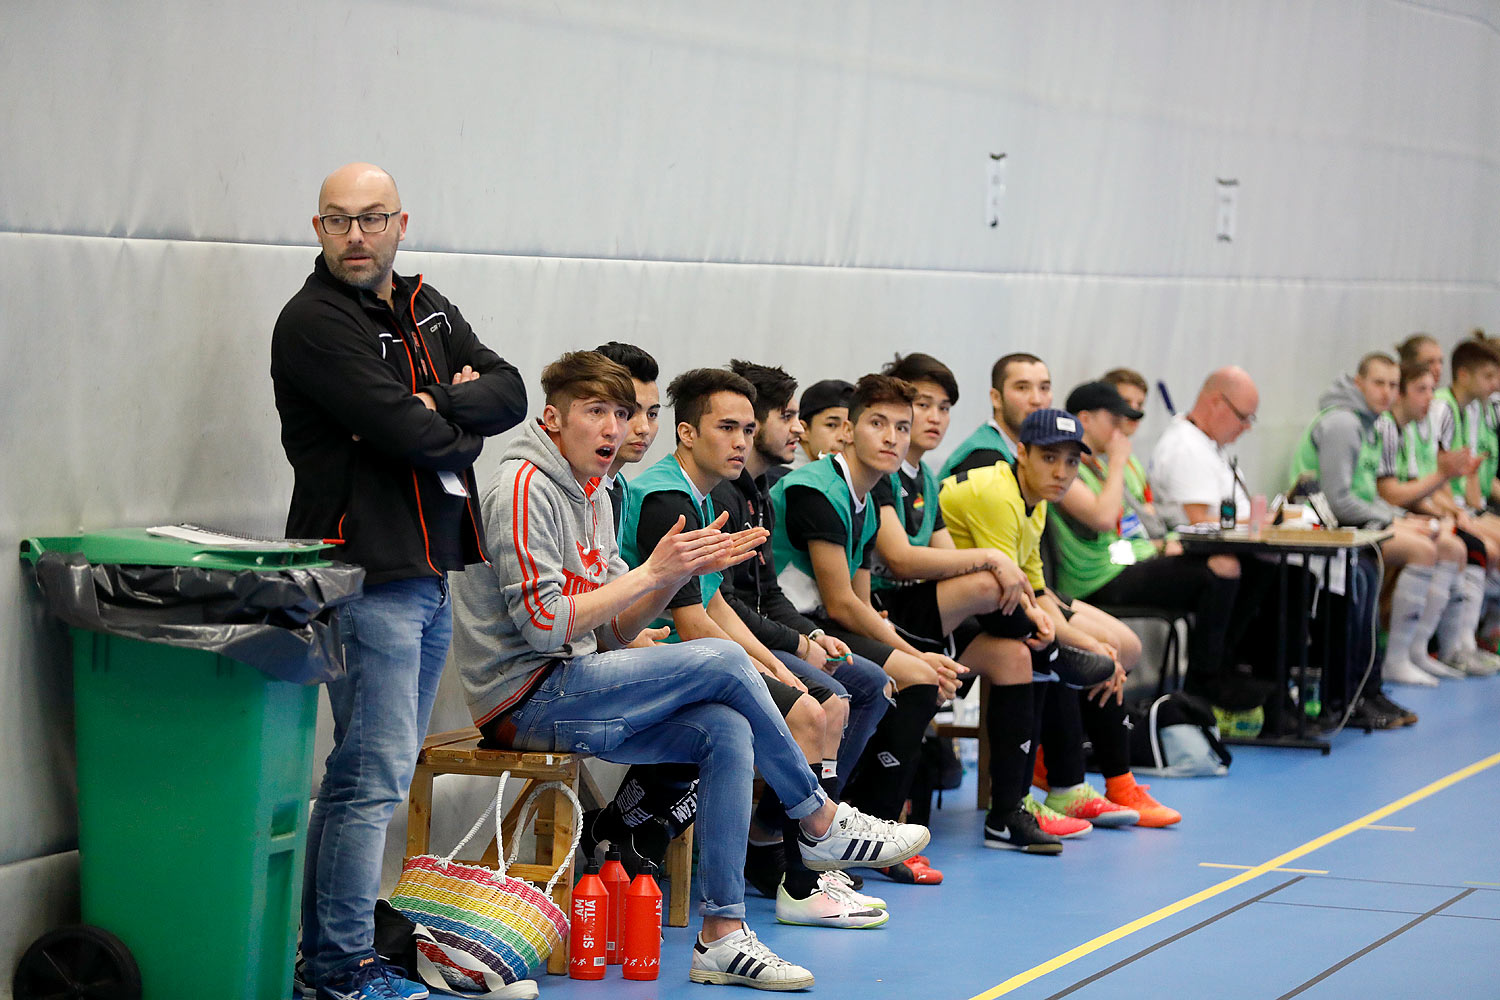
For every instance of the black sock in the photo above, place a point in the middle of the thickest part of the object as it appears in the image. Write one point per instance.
(890, 758)
(1105, 725)
(800, 882)
(1062, 738)
(768, 811)
(1011, 732)
(1041, 691)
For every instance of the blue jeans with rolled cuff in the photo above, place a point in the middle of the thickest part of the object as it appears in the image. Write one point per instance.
(699, 702)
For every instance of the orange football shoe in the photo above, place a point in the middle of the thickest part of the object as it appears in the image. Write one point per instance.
(1123, 790)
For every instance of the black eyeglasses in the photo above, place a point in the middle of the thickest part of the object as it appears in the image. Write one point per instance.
(369, 222)
(1248, 419)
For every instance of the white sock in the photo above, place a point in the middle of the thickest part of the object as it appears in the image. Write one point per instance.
(1438, 592)
(1407, 603)
(830, 768)
(1461, 617)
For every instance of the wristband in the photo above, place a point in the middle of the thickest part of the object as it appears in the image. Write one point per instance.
(816, 634)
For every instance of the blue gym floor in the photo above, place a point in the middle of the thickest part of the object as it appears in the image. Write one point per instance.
(1404, 905)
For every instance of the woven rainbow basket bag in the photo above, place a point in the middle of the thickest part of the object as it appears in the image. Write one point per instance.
(482, 930)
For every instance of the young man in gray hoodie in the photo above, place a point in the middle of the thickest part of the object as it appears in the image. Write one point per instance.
(541, 638)
(1341, 450)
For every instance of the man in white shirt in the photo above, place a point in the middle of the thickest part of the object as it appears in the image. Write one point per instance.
(1190, 472)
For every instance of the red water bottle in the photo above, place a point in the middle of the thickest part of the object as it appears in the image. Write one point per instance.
(586, 936)
(616, 883)
(641, 940)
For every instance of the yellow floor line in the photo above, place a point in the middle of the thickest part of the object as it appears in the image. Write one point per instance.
(1245, 868)
(1105, 940)
(1398, 829)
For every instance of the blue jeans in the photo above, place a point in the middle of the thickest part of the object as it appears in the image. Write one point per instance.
(861, 683)
(697, 702)
(395, 642)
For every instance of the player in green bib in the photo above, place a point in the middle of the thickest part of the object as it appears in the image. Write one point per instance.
(823, 541)
(1415, 474)
(1341, 450)
(1106, 554)
(1019, 384)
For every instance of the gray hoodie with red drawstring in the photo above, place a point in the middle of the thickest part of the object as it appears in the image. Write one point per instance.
(550, 540)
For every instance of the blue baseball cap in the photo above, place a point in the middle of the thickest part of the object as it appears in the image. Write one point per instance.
(1046, 427)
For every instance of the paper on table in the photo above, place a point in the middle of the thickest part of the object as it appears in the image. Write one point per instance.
(199, 535)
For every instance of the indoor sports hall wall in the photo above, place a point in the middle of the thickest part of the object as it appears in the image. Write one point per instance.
(789, 182)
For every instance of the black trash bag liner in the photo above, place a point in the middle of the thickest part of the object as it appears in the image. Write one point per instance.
(282, 622)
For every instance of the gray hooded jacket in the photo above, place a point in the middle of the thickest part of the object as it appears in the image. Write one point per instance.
(1338, 436)
(550, 540)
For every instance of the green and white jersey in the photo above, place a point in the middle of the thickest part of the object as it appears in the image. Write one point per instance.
(1088, 559)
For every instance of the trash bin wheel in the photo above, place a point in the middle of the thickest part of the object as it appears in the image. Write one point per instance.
(77, 963)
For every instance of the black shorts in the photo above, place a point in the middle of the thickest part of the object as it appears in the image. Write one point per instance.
(785, 696)
(914, 610)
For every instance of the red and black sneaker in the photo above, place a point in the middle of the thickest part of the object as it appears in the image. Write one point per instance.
(916, 870)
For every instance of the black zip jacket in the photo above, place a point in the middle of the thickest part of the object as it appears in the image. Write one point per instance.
(345, 366)
(751, 588)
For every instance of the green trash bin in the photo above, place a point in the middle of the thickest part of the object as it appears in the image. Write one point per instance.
(194, 772)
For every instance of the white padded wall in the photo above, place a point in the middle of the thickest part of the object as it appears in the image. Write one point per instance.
(787, 182)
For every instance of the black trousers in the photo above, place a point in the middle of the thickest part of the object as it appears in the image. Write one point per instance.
(1186, 584)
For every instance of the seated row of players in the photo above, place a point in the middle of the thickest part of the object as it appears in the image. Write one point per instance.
(544, 635)
(1386, 458)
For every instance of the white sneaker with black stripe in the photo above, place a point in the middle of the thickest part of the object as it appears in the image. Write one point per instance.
(855, 840)
(739, 959)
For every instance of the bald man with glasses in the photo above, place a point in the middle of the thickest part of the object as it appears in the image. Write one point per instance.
(385, 396)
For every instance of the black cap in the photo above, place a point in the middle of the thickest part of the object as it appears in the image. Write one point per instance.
(1046, 427)
(824, 395)
(1101, 396)
(612, 853)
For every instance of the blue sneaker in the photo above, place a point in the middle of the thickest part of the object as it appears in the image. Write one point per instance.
(369, 981)
(404, 986)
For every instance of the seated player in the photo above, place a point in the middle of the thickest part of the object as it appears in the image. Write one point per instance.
(823, 542)
(1004, 506)
(1105, 553)
(825, 416)
(752, 591)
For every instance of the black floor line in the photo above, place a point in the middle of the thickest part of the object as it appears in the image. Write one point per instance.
(1377, 909)
(1388, 881)
(1315, 980)
(1175, 937)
